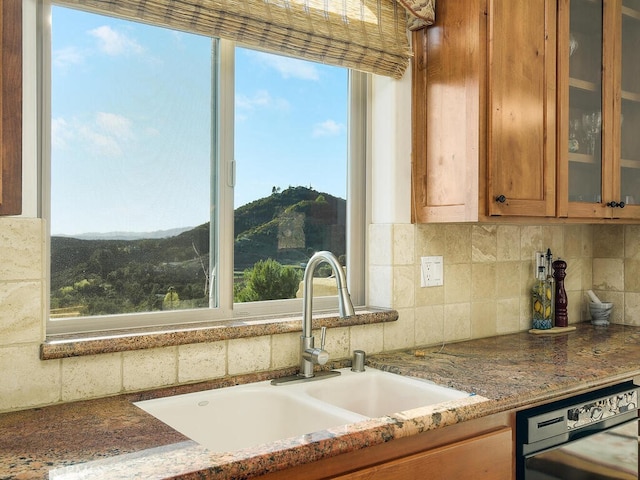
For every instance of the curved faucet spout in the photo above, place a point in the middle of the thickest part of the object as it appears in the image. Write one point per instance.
(345, 307)
(309, 355)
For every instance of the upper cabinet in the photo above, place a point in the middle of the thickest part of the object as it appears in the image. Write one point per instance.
(11, 107)
(528, 109)
(484, 81)
(599, 109)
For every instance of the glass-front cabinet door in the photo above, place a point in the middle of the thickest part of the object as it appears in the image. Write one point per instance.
(599, 108)
(628, 107)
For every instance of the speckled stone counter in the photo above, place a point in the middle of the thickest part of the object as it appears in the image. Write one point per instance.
(112, 438)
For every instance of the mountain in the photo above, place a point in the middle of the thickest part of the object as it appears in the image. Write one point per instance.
(128, 235)
(121, 273)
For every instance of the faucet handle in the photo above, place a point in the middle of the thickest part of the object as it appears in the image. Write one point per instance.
(317, 356)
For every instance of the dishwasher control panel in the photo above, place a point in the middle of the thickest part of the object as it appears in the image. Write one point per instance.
(585, 412)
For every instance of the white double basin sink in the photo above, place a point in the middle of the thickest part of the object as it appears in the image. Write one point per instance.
(242, 416)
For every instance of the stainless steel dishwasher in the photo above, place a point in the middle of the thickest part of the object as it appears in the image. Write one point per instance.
(587, 437)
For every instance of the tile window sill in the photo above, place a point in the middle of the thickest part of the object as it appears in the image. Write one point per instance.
(63, 346)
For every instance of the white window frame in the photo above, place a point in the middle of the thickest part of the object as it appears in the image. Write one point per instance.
(358, 150)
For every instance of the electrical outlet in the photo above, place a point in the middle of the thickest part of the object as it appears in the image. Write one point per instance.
(431, 271)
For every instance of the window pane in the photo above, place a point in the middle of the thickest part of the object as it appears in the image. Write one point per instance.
(291, 172)
(130, 166)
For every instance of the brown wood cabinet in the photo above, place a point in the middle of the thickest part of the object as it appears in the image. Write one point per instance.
(599, 109)
(528, 109)
(484, 96)
(482, 449)
(486, 457)
(11, 107)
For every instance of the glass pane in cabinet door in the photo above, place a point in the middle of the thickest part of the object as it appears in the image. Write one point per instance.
(585, 101)
(630, 112)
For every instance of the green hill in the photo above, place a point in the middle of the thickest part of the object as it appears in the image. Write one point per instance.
(117, 276)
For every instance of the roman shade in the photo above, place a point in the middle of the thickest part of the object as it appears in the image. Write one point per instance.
(367, 35)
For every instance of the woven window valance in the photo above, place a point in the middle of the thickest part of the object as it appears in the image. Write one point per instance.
(367, 35)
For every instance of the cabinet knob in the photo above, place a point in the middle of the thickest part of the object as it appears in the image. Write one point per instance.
(621, 204)
(612, 204)
(501, 199)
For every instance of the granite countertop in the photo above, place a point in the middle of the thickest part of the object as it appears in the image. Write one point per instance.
(112, 438)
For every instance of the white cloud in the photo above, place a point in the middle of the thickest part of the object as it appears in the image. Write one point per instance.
(61, 132)
(288, 67)
(328, 128)
(261, 99)
(115, 43)
(114, 125)
(65, 57)
(107, 134)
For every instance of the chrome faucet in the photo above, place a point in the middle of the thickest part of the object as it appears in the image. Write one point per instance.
(309, 354)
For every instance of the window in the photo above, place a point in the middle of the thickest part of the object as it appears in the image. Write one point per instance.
(191, 179)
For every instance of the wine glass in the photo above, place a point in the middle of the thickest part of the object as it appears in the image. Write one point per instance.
(591, 124)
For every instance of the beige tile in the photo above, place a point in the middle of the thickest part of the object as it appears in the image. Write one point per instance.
(526, 318)
(508, 277)
(380, 244)
(429, 325)
(458, 244)
(576, 307)
(20, 313)
(400, 334)
(507, 315)
(617, 298)
(403, 286)
(484, 243)
(553, 239)
(91, 376)
(608, 274)
(457, 321)
(20, 249)
(338, 342)
(143, 369)
(380, 286)
(588, 240)
(632, 241)
(403, 244)
(632, 309)
(426, 295)
(430, 240)
(285, 350)
(632, 275)
(508, 243)
(201, 361)
(25, 380)
(369, 338)
(574, 275)
(457, 283)
(587, 273)
(608, 241)
(483, 319)
(527, 277)
(531, 241)
(575, 242)
(483, 281)
(247, 355)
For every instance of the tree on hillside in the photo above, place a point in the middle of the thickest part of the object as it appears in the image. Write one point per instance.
(268, 280)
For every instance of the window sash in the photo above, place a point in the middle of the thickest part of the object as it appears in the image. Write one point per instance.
(222, 175)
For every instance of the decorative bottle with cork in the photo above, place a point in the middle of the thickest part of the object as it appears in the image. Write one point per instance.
(541, 299)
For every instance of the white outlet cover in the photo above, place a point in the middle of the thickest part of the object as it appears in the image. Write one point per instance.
(431, 271)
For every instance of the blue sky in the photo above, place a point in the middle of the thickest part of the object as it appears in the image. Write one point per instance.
(131, 124)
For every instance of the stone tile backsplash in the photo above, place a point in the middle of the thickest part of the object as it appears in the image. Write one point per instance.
(488, 272)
